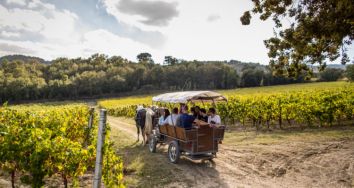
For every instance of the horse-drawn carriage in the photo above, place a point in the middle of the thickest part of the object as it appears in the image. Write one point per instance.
(199, 142)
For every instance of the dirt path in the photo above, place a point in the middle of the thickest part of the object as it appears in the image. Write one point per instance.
(294, 164)
(123, 126)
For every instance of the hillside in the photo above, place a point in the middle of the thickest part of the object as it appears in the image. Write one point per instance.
(23, 58)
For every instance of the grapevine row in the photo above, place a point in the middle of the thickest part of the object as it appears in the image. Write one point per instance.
(301, 108)
(317, 107)
(41, 141)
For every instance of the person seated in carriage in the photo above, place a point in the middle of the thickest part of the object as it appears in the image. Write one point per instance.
(213, 119)
(203, 115)
(185, 120)
(165, 113)
(195, 111)
(172, 119)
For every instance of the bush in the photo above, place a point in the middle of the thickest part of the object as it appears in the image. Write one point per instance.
(331, 74)
(349, 73)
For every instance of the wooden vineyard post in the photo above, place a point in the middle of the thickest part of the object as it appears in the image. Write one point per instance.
(99, 150)
(89, 126)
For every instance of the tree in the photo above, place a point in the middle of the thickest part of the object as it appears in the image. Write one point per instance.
(99, 75)
(145, 58)
(331, 74)
(349, 72)
(252, 78)
(169, 60)
(321, 31)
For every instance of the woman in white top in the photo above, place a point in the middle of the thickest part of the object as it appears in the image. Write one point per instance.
(172, 119)
(213, 119)
(164, 115)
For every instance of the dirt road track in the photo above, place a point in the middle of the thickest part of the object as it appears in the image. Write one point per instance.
(125, 127)
(291, 164)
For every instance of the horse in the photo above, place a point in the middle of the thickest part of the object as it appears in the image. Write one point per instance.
(146, 119)
(140, 118)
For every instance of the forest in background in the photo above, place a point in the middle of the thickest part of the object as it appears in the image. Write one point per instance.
(29, 78)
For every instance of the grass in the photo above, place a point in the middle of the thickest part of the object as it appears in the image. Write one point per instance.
(142, 168)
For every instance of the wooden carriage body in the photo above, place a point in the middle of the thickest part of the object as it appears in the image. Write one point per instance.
(195, 141)
(199, 142)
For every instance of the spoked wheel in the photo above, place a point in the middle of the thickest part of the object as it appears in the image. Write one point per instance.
(173, 152)
(152, 144)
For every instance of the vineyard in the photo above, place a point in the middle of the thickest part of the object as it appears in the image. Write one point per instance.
(43, 141)
(321, 104)
(124, 107)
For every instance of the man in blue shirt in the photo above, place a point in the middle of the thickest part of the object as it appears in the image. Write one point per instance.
(185, 120)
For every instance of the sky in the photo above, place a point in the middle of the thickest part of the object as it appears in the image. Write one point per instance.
(185, 29)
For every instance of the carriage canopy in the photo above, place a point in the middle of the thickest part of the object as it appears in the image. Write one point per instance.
(189, 96)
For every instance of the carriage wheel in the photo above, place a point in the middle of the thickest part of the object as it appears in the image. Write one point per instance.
(152, 144)
(173, 152)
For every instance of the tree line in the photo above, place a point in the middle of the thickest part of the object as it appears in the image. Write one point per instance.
(100, 75)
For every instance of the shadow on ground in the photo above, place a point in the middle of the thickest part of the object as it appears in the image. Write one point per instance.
(146, 169)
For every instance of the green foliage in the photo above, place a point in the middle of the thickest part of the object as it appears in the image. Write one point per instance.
(99, 75)
(323, 107)
(144, 58)
(252, 78)
(331, 74)
(305, 104)
(124, 107)
(350, 72)
(169, 60)
(320, 31)
(21, 58)
(40, 141)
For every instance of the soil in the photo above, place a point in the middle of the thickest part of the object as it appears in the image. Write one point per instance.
(289, 164)
(329, 164)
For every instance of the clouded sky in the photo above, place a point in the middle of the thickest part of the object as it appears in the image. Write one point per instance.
(186, 29)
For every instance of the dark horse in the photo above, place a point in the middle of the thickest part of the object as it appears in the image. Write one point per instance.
(140, 120)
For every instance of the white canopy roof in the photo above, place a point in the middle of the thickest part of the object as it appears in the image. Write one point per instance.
(187, 96)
